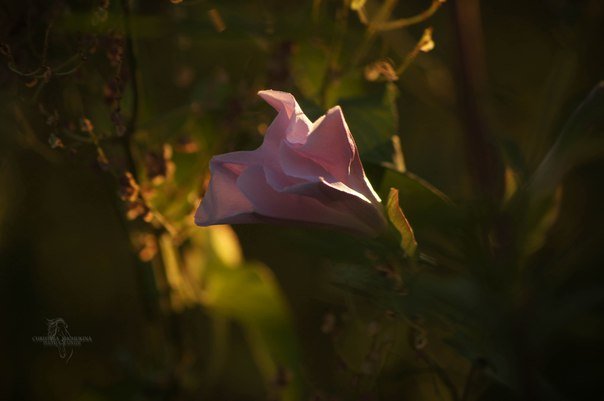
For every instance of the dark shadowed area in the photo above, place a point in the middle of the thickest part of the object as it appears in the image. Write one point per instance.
(487, 117)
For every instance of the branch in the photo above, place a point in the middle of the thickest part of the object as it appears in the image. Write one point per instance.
(405, 22)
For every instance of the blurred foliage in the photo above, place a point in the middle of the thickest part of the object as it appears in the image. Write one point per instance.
(479, 123)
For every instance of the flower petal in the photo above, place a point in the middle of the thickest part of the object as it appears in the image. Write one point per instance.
(330, 144)
(360, 182)
(304, 173)
(291, 123)
(315, 203)
(281, 101)
(298, 168)
(295, 164)
(223, 202)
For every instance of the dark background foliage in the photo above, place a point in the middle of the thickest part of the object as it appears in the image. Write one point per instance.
(507, 303)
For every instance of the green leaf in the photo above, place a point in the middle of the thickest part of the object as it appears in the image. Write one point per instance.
(400, 222)
(372, 123)
(368, 283)
(309, 66)
(246, 293)
(540, 219)
(536, 206)
(580, 139)
(423, 203)
(251, 296)
(231, 289)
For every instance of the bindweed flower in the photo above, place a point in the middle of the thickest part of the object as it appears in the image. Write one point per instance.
(303, 172)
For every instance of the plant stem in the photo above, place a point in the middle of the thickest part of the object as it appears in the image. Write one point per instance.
(405, 22)
(132, 67)
(484, 165)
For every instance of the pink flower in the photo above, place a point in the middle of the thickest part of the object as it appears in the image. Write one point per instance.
(303, 172)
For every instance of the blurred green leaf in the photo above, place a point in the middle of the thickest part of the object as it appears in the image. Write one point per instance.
(309, 66)
(357, 4)
(536, 206)
(250, 295)
(372, 121)
(254, 284)
(540, 218)
(580, 139)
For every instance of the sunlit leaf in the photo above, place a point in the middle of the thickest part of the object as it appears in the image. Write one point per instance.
(357, 4)
(181, 291)
(250, 295)
(400, 222)
(541, 220)
(511, 183)
(225, 244)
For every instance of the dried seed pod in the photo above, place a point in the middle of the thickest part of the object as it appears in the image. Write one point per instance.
(128, 188)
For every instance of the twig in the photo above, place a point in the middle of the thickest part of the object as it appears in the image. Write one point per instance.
(29, 138)
(46, 42)
(382, 14)
(410, 58)
(405, 22)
